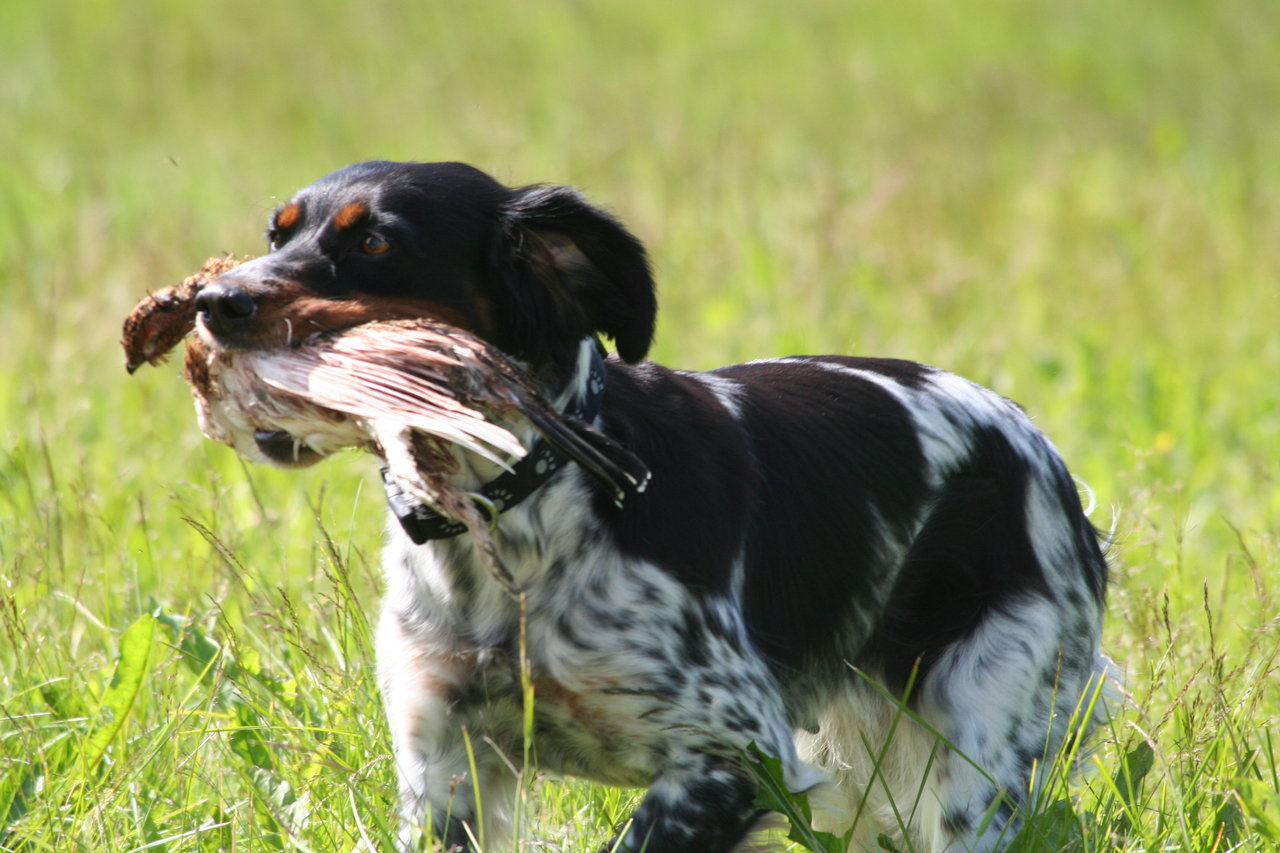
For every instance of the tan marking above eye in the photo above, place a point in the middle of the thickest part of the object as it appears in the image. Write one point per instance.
(372, 244)
(289, 215)
(350, 215)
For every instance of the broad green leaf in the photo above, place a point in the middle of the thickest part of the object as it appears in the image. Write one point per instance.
(1137, 764)
(132, 668)
(1261, 804)
(774, 796)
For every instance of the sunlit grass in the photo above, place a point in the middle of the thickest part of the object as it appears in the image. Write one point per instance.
(1077, 204)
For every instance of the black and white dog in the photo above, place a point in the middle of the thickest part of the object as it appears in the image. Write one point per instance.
(823, 541)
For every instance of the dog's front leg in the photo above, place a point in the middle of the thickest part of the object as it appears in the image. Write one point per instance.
(701, 805)
(437, 740)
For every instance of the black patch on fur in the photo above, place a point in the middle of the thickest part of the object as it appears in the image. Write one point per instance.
(972, 555)
(957, 822)
(797, 484)
(689, 520)
(693, 645)
(566, 630)
(832, 453)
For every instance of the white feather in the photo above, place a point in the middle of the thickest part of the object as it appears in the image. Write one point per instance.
(373, 391)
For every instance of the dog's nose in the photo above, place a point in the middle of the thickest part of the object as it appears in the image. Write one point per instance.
(223, 306)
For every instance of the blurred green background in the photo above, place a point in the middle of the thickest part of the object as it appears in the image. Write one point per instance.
(1075, 203)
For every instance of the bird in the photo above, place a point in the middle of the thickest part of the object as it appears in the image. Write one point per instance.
(405, 390)
(160, 321)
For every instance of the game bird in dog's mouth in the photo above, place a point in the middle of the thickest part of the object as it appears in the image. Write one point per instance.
(874, 571)
(402, 389)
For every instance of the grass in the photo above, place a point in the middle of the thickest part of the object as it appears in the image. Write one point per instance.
(1074, 203)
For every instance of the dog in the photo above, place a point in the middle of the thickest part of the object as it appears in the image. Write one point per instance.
(875, 572)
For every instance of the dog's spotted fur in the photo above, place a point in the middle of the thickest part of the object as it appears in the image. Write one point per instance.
(820, 534)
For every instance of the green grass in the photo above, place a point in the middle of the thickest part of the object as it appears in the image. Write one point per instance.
(1076, 203)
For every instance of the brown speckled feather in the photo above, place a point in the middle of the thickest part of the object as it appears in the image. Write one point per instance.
(162, 319)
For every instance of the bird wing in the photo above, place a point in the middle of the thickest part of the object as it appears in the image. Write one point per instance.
(412, 387)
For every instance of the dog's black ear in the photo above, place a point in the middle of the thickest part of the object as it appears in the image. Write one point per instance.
(564, 269)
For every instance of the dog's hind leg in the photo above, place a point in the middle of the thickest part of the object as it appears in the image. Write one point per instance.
(1006, 698)
(959, 766)
(879, 758)
(965, 765)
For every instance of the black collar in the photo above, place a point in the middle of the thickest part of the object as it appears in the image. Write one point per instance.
(421, 523)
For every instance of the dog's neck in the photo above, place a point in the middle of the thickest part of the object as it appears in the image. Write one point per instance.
(576, 389)
(576, 383)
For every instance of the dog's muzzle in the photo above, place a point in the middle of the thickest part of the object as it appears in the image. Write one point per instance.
(225, 308)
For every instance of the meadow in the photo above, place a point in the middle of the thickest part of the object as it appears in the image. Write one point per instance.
(1077, 204)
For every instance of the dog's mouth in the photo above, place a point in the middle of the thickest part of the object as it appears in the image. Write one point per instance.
(284, 449)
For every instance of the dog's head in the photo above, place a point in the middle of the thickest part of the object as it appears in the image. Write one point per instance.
(532, 270)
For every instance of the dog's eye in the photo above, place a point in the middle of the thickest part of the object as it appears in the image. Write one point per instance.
(278, 237)
(372, 244)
